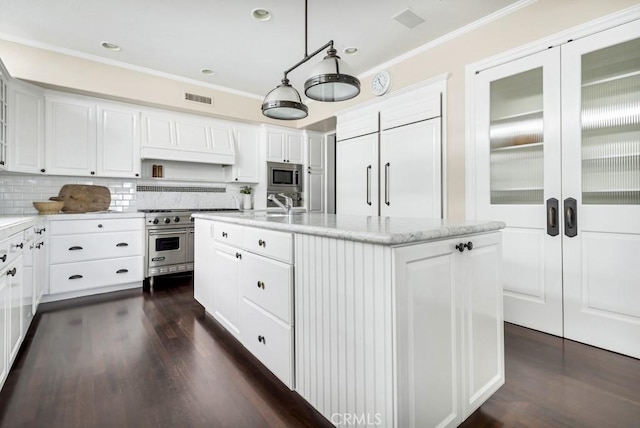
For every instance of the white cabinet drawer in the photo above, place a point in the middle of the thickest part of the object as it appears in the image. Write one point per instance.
(93, 246)
(274, 244)
(229, 234)
(67, 227)
(16, 245)
(268, 339)
(268, 283)
(98, 273)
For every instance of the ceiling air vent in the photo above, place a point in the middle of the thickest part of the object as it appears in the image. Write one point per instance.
(408, 18)
(195, 98)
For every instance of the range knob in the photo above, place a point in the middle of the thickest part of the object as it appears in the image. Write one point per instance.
(155, 221)
(176, 220)
(167, 220)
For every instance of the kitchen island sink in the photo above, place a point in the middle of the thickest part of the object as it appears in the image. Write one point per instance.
(373, 320)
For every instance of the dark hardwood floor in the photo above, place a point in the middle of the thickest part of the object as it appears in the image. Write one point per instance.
(134, 359)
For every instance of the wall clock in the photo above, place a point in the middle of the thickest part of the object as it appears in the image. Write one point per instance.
(381, 83)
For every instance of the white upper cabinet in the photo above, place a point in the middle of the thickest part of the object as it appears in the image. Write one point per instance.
(359, 122)
(4, 76)
(70, 136)
(247, 150)
(25, 148)
(411, 107)
(315, 151)
(90, 138)
(284, 146)
(187, 138)
(118, 142)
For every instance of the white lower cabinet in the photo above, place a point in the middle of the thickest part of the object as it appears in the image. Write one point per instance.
(407, 336)
(96, 253)
(248, 288)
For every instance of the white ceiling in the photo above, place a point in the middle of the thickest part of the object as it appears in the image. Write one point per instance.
(182, 37)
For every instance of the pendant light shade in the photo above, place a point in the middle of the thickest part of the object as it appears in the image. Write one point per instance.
(284, 103)
(331, 80)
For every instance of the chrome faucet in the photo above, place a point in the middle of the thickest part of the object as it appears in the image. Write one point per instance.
(288, 202)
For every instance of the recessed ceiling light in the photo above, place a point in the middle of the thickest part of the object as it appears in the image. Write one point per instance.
(110, 46)
(207, 71)
(350, 50)
(261, 14)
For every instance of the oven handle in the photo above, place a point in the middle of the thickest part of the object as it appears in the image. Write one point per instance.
(169, 232)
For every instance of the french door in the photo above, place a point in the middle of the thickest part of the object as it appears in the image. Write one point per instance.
(518, 176)
(558, 159)
(601, 171)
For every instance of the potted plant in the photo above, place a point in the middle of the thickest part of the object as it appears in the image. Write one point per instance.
(246, 191)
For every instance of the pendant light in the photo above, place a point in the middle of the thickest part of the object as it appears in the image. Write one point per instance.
(331, 80)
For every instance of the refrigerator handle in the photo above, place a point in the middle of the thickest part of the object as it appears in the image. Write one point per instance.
(386, 183)
(369, 185)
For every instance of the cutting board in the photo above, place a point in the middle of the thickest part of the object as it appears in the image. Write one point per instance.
(82, 198)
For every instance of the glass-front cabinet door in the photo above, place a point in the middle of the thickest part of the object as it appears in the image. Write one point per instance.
(518, 176)
(601, 188)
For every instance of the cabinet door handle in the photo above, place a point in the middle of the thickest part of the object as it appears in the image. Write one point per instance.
(262, 340)
(122, 244)
(224, 234)
(12, 272)
(460, 247)
(386, 183)
(75, 277)
(20, 245)
(261, 284)
(75, 248)
(3, 258)
(552, 217)
(122, 271)
(262, 243)
(369, 185)
(238, 256)
(570, 217)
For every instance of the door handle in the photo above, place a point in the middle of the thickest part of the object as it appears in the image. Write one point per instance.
(552, 217)
(386, 183)
(369, 185)
(570, 217)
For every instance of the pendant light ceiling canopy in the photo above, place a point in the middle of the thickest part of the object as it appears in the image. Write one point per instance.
(331, 80)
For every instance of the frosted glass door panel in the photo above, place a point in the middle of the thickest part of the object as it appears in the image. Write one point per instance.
(516, 139)
(611, 125)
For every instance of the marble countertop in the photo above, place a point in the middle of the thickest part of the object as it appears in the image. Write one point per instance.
(376, 230)
(12, 225)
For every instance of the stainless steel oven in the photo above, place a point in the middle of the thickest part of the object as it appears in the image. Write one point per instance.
(284, 177)
(170, 241)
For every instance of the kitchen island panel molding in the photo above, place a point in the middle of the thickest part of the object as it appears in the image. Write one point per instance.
(344, 323)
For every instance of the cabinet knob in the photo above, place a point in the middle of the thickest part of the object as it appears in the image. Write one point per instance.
(43, 170)
(3, 258)
(262, 243)
(93, 173)
(469, 245)
(100, 226)
(12, 272)
(236, 179)
(460, 247)
(137, 175)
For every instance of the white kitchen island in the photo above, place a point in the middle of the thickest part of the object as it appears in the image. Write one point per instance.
(375, 321)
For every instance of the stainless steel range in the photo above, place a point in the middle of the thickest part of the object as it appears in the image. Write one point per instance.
(169, 241)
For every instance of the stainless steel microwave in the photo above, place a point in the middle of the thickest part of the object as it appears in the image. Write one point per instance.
(284, 177)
